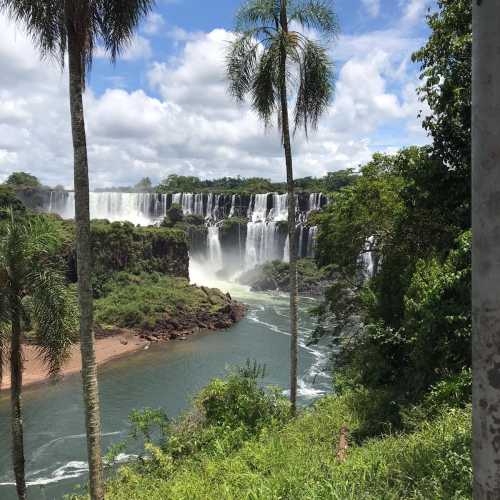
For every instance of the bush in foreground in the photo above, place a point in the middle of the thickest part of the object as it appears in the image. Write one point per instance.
(224, 449)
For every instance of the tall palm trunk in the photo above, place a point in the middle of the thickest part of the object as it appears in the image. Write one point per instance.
(486, 248)
(84, 265)
(16, 383)
(285, 123)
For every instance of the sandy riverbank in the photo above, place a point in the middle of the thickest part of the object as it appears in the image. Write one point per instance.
(106, 349)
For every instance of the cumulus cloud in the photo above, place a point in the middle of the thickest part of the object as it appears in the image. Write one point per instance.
(414, 10)
(183, 120)
(154, 23)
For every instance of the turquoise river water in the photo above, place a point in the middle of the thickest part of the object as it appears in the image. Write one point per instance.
(163, 376)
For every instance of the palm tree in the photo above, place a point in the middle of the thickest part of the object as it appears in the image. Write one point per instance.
(265, 61)
(485, 249)
(75, 27)
(33, 296)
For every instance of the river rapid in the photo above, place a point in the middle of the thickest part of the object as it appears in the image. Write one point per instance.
(165, 375)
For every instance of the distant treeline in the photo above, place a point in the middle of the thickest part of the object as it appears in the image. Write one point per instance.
(331, 182)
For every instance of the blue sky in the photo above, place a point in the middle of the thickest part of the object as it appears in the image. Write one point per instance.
(164, 107)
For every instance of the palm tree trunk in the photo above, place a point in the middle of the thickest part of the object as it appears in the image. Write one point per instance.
(84, 266)
(285, 123)
(486, 249)
(16, 383)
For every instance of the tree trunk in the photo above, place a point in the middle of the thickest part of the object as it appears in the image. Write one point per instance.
(486, 248)
(291, 218)
(84, 266)
(16, 383)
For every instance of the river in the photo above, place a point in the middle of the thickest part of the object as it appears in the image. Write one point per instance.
(166, 375)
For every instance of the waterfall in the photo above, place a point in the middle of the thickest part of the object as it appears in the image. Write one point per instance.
(279, 211)
(214, 248)
(367, 258)
(210, 206)
(187, 203)
(314, 202)
(233, 205)
(258, 210)
(311, 241)
(138, 208)
(177, 199)
(62, 203)
(263, 241)
(198, 204)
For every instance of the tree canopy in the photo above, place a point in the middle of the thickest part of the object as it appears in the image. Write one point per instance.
(22, 180)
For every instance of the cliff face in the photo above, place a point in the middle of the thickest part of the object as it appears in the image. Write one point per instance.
(121, 246)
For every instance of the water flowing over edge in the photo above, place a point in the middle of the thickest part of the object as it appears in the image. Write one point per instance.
(263, 216)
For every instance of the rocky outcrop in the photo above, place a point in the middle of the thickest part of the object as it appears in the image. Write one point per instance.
(274, 276)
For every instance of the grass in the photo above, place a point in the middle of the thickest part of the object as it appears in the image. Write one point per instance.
(298, 461)
(140, 301)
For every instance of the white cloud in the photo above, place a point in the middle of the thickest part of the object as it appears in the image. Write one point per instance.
(154, 23)
(372, 7)
(414, 10)
(190, 124)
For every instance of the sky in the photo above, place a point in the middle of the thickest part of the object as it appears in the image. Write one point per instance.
(164, 107)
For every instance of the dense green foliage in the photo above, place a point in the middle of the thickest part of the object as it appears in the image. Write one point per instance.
(34, 298)
(446, 76)
(8, 200)
(333, 181)
(120, 246)
(142, 300)
(21, 180)
(239, 443)
(409, 324)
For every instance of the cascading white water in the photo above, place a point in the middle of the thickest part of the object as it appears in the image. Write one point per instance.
(314, 202)
(214, 248)
(233, 205)
(187, 203)
(210, 206)
(258, 213)
(264, 240)
(177, 199)
(138, 208)
(279, 212)
(311, 241)
(262, 233)
(367, 258)
(198, 204)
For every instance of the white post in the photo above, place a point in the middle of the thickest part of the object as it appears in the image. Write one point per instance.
(486, 248)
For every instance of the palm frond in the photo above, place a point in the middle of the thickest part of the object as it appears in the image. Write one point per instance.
(265, 89)
(50, 22)
(240, 63)
(315, 88)
(41, 235)
(43, 21)
(315, 14)
(118, 21)
(257, 13)
(54, 317)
